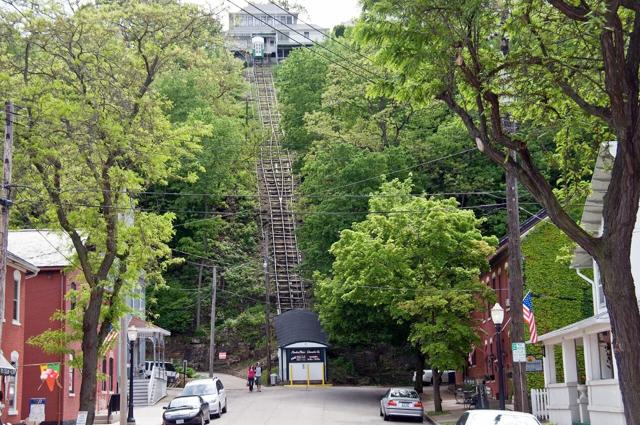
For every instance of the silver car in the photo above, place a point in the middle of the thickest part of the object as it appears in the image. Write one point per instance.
(401, 402)
(496, 417)
(212, 391)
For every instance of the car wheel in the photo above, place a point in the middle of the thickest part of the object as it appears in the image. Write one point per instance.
(381, 414)
(226, 403)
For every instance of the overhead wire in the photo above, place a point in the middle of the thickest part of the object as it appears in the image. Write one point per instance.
(305, 46)
(315, 42)
(326, 34)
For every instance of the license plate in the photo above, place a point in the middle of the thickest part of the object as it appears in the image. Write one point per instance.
(179, 421)
(406, 404)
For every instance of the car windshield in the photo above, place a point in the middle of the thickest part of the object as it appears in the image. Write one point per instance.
(190, 402)
(507, 419)
(199, 389)
(404, 394)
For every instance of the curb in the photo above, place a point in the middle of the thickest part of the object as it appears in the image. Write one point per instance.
(430, 420)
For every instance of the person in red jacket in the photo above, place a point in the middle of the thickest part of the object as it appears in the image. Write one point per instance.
(251, 376)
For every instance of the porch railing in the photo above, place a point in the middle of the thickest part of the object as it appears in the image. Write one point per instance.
(539, 403)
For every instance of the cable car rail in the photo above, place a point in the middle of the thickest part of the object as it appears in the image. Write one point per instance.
(276, 187)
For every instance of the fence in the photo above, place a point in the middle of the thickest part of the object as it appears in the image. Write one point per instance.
(539, 403)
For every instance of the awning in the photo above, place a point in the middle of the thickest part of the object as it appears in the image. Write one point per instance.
(6, 368)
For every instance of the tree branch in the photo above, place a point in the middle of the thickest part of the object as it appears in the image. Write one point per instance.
(577, 13)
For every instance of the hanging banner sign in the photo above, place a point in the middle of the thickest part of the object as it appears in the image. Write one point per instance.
(50, 373)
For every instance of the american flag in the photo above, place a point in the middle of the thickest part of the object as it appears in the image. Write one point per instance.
(527, 311)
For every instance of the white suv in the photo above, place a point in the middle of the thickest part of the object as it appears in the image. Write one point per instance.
(212, 391)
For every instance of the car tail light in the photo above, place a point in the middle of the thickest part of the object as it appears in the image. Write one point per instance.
(417, 404)
(392, 403)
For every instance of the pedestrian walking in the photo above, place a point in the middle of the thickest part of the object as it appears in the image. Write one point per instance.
(258, 376)
(251, 376)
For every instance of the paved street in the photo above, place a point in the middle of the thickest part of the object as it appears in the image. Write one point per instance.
(284, 406)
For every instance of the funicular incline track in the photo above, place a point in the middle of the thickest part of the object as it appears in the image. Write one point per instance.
(276, 187)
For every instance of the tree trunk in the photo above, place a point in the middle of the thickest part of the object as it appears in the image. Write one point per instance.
(624, 316)
(90, 347)
(418, 384)
(516, 284)
(437, 399)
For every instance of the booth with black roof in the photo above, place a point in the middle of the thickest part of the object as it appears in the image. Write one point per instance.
(302, 348)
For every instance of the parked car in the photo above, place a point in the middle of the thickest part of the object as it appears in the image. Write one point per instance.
(172, 374)
(496, 417)
(401, 402)
(188, 410)
(212, 391)
(448, 377)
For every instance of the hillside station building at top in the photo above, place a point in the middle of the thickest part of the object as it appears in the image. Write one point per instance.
(268, 33)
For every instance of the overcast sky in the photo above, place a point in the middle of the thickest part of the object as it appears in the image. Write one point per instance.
(324, 13)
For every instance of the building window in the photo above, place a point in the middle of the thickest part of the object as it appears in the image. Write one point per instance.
(12, 385)
(72, 376)
(16, 296)
(111, 374)
(72, 296)
(104, 374)
(605, 356)
(306, 34)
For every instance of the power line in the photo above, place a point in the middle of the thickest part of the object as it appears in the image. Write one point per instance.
(325, 34)
(303, 45)
(316, 43)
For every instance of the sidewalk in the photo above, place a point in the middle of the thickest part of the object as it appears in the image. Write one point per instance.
(453, 410)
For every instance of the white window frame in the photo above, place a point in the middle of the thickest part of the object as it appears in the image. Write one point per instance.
(71, 389)
(17, 286)
(12, 405)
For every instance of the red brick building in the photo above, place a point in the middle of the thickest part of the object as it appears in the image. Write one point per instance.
(13, 331)
(483, 360)
(50, 291)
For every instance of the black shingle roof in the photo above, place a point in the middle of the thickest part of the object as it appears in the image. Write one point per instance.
(299, 326)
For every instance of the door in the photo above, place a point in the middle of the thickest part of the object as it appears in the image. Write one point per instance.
(222, 393)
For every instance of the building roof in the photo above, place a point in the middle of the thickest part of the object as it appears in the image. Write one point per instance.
(598, 323)
(525, 227)
(299, 326)
(145, 328)
(42, 248)
(264, 8)
(592, 213)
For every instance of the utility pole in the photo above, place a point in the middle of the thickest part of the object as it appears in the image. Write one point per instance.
(212, 341)
(123, 361)
(516, 285)
(267, 318)
(5, 202)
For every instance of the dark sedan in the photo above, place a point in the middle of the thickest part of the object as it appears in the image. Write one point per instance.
(188, 410)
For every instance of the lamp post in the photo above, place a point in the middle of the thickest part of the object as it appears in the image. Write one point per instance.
(497, 316)
(132, 333)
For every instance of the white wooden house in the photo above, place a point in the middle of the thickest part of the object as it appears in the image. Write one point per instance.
(594, 396)
(281, 30)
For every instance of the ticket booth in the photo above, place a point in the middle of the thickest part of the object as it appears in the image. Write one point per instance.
(302, 348)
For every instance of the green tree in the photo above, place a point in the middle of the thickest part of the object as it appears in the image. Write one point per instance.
(95, 134)
(539, 62)
(418, 263)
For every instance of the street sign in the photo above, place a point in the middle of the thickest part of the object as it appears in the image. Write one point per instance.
(222, 355)
(519, 351)
(82, 418)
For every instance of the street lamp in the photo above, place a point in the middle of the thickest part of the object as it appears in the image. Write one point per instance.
(497, 316)
(132, 333)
